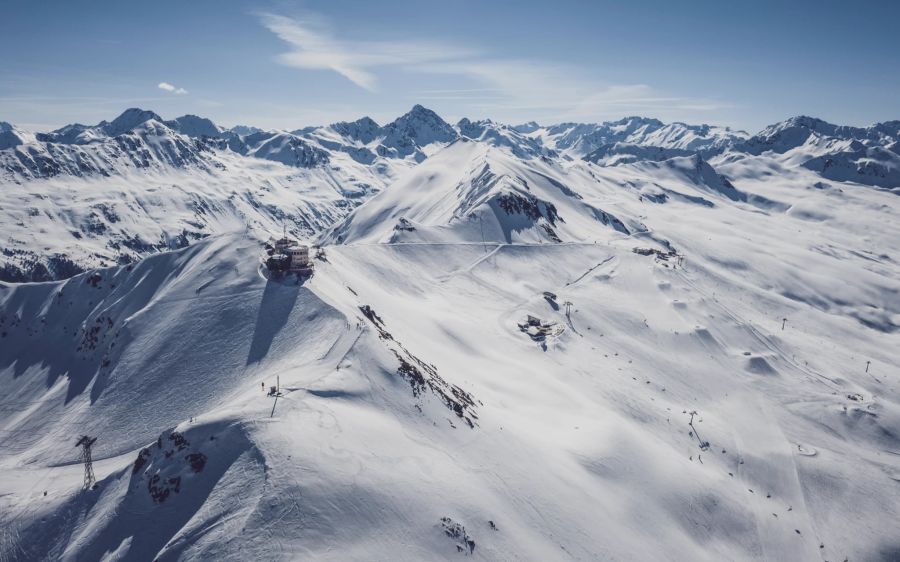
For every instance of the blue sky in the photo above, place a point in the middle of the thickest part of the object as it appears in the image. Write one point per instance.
(285, 64)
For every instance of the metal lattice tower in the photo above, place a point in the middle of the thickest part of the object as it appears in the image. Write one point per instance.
(85, 443)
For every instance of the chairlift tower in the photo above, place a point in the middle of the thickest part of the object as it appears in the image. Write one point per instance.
(85, 443)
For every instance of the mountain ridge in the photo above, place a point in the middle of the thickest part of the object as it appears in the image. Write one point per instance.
(358, 159)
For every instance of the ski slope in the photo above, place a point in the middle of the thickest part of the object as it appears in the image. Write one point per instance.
(709, 371)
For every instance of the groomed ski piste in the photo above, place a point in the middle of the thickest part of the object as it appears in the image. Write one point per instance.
(722, 384)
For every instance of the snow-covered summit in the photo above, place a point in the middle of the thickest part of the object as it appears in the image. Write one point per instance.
(410, 133)
(364, 130)
(498, 134)
(580, 139)
(865, 155)
(11, 136)
(423, 125)
(194, 126)
(127, 121)
(525, 128)
(243, 130)
(797, 131)
(77, 133)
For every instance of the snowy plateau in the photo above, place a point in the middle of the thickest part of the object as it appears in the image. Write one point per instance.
(620, 341)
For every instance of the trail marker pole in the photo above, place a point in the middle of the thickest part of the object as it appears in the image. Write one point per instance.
(277, 393)
(783, 321)
(85, 443)
(867, 366)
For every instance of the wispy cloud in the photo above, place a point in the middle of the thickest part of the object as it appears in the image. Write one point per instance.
(314, 47)
(170, 88)
(542, 88)
(560, 91)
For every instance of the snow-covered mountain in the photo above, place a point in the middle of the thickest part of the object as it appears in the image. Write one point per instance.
(506, 351)
(412, 135)
(11, 136)
(866, 155)
(48, 174)
(89, 151)
(474, 192)
(194, 126)
(88, 196)
(580, 139)
(346, 163)
(498, 134)
(797, 131)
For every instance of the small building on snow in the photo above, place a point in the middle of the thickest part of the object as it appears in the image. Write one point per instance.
(290, 256)
(299, 258)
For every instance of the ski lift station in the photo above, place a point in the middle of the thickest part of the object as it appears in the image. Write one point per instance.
(289, 256)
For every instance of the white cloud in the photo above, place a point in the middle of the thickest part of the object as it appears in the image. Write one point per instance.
(313, 47)
(170, 88)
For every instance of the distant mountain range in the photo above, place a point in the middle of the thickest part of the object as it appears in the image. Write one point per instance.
(140, 138)
(308, 179)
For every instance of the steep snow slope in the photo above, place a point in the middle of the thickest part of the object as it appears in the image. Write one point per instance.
(475, 192)
(148, 145)
(11, 136)
(56, 227)
(867, 155)
(89, 196)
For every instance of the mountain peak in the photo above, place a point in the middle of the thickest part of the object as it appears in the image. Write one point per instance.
(364, 129)
(420, 112)
(128, 120)
(637, 120)
(422, 125)
(366, 121)
(11, 136)
(194, 126)
(243, 130)
(526, 128)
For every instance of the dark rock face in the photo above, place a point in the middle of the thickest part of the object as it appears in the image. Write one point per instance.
(423, 376)
(529, 206)
(163, 469)
(464, 542)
